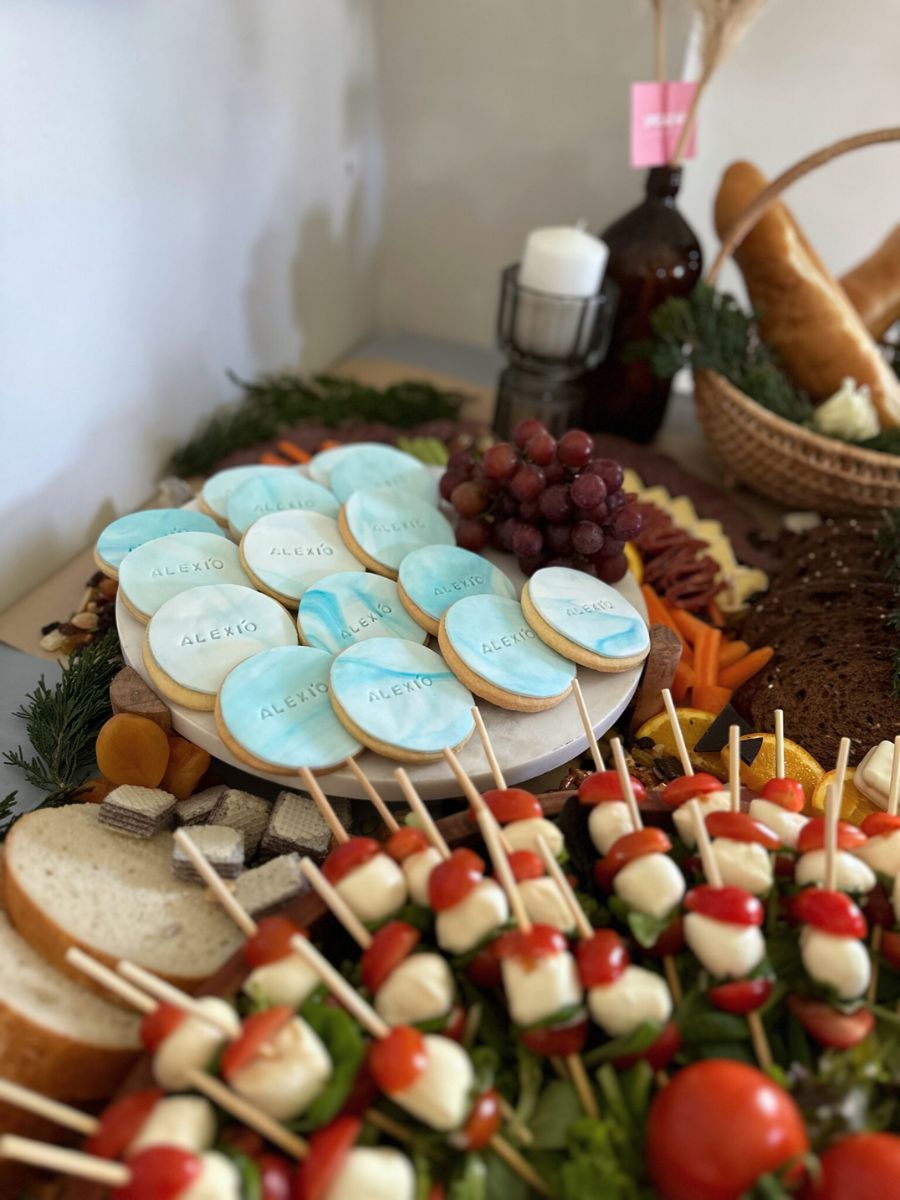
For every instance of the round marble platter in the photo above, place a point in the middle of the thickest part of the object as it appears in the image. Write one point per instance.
(527, 744)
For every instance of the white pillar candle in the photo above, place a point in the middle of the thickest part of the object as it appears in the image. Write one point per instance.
(566, 265)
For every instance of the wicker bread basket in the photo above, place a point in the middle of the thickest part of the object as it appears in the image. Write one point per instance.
(786, 462)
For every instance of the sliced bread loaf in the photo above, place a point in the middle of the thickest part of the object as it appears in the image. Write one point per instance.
(71, 881)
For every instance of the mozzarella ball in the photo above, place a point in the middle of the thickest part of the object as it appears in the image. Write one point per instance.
(786, 824)
(286, 1080)
(523, 835)
(841, 962)
(440, 1097)
(193, 1044)
(418, 989)
(651, 884)
(608, 822)
(882, 853)
(710, 802)
(851, 874)
(638, 995)
(219, 1180)
(545, 905)
(188, 1122)
(726, 950)
(460, 929)
(745, 865)
(537, 988)
(288, 981)
(375, 890)
(379, 1173)
(417, 870)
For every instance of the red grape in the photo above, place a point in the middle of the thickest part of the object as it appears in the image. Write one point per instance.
(588, 491)
(558, 539)
(500, 461)
(541, 448)
(598, 515)
(528, 566)
(461, 461)
(527, 483)
(507, 505)
(529, 510)
(472, 534)
(504, 533)
(575, 448)
(611, 570)
(610, 548)
(525, 431)
(468, 499)
(555, 472)
(626, 523)
(449, 480)
(587, 538)
(527, 540)
(562, 561)
(555, 503)
(609, 471)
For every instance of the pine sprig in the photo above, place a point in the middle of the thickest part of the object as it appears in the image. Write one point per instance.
(274, 402)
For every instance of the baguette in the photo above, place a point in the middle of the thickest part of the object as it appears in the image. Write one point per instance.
(874, 286)
(804, 313)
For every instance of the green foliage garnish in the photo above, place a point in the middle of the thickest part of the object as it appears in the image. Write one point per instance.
(274, 402)
(342, 1039)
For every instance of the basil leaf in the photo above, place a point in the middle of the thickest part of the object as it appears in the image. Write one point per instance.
(343, 1040)
(557, 1110)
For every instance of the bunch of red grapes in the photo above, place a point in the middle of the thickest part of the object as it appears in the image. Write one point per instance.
(549, 502)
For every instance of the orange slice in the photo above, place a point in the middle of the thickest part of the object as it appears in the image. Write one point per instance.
(798, 764)
(855, 807)
(694, 722)
(635, 562)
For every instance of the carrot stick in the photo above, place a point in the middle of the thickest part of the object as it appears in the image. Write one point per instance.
(709, 697)
(273, 460)
(706, 655)
(684, 679)
(329, 444)
(730, 652)
(659, 613)
(715, 614)
(745, 668)
(689, 625)
(292, 450)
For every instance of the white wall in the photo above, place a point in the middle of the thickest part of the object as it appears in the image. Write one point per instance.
(187, 185)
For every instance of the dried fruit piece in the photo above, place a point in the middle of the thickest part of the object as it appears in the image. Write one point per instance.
(186, 767)
(95, 791)
(132, 749)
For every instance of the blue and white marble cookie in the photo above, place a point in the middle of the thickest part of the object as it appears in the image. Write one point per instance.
(281, 491)
(322, 464)
(493, 649)
(153, 573)
(400, 699)
(434, 577)
(287, 552)
(340, 610)
(274, 711)
(126, 533)
(198, 637)
(371, 466)
(383, 525)
(585, 619)
(216, 491)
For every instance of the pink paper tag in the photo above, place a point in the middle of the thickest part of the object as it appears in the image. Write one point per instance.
(658, 112)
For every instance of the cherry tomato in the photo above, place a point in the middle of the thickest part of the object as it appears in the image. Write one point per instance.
(627, 848)
(437, 1191)
(456, 1023)
(658, 1054)
(158, 1024)
(348, 856)
(328, 1147)
(277, 1177)
(257, 1031)
(741, 996)
(880, 822)
(812, 836)
(716, 1127)
(863, 1166)
(741, 827)
(686, 787)
(405, 841)
(397, 1060)
(877, 907)
(832, 912)
(243, 1140)
(670, 941)
(272, 941)
(525, 864)
(390, 945)
(604, 786)
(363, 1093)
(160, 1173)
(561, 1040)
(786, 792)
(454, 878)
(890, 948)
(511, 804)
(121, 1122)
(602, 958)
(484, 969)
(541, 941)
(731, 904)
(483, 1121)
(828, 1026)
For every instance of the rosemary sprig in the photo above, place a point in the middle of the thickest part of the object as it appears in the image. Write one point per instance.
(273, 402)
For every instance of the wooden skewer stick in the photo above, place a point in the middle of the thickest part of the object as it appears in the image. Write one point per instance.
(377, 803)
(588, 727)
(488, 827)
(832, 813)
(167, 993)
(677, 733)
(50, 1110)
(625, 783)
(334, 901)
(322, 803)
(249, 1113)
(779, 743)
(894, 791)
(475, 798)
(490, 755)
(518, 1164)
(556, 873)
(65, 1162)
(217, 885)
(107, 978)
(734, 766)
(419, 807)
(358, 1008)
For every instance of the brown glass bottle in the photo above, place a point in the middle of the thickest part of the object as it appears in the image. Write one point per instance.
(653, 254)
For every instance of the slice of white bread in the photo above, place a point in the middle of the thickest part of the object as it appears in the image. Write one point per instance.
(70, 881)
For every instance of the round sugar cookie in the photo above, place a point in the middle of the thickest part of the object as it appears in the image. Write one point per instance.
(126, 533)
(153, 573)
(273, 711)
(363, 467)
(382, 525)
(434, 577)
(400, 699)
(216, 491)
(585, 620)
(286, 552)
(199, 636)
(322, 464)
(341, 610)
(284, 491)
(493, 650)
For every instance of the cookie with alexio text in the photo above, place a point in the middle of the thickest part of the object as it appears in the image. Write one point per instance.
(434, 577)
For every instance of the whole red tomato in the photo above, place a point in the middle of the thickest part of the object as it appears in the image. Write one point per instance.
(716, 1128)
(864, 1166)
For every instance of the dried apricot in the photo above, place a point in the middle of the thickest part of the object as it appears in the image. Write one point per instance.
(186, 767)
(95, 791)
(132, 749)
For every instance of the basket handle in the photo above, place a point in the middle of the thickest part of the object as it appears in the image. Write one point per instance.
(767, 197)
